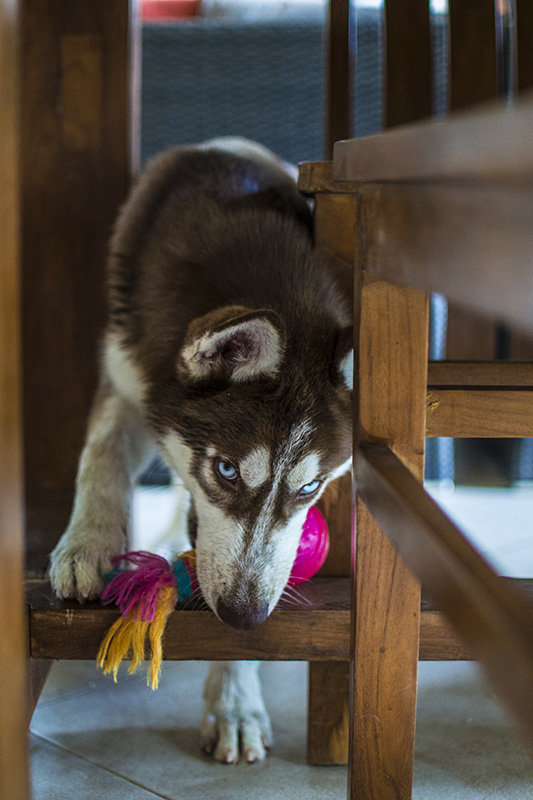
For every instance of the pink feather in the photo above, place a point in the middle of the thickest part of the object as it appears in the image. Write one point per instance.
(138, 588)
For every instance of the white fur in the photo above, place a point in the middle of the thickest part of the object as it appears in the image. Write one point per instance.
(234, 710)
(200, 356)
(125, 376)
(304, 472)
(346, 367)
(255, 467)
(118, 444)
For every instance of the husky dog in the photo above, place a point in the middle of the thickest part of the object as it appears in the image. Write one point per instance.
(228, 350)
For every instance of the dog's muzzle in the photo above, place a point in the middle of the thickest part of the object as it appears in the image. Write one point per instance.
(244, 620)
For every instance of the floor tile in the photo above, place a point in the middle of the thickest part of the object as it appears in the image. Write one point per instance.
(58, 774)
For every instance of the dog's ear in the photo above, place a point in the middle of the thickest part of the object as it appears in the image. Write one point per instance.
(233, 344)
(343, 359)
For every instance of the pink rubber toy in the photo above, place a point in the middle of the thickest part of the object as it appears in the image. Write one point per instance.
(313, 548)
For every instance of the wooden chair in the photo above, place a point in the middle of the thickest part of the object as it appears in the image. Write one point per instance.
(438, 207)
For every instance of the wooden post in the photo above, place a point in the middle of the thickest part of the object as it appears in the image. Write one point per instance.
(408, 68)
(75, 172)
(391, 369)
(339, 70)
(14, 784)
(328, 700)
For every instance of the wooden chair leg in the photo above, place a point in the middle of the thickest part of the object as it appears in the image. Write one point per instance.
(38, 669)
(328, 713)
(391, 369)
(14, 783)
(75, 172)
(328, 701)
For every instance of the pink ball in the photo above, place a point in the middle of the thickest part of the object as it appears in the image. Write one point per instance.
(313, 548)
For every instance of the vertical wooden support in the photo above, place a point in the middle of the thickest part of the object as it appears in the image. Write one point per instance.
(391, 369)
(75, 171)
(408, 67)
(473, 78)
(473, 58)
(338, 75)
(524, 38)
(328, 699)
(14, 784)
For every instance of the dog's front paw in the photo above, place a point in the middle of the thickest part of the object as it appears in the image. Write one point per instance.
(77, 570)
(235, 722)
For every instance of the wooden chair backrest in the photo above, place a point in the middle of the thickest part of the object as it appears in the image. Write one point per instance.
(445, 206)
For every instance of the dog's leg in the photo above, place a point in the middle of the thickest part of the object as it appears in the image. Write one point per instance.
(235, 719)
(117, 445)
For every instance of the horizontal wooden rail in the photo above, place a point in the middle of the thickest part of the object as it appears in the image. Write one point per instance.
(481, 374)
(317, 630)
(472, 245)
(489, 616)
(479, 413)
(491, 142)
(445, 207)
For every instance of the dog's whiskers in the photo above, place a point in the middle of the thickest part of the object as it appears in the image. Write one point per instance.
(292, 596)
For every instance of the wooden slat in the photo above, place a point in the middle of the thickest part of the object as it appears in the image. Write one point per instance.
(408, 64)
(490, 374)
(317, 176)
(454, 239)
(488, 615)
(339, 75)
(67, 630)
(479, 413)
(328, 713)
(473, 78)
(318, 630)
(524, 38)
(489, 143)
(75, 156)
(14, 784)
(473, 63)
(391, 369)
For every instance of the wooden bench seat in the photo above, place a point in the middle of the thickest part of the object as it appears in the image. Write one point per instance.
(316, 630)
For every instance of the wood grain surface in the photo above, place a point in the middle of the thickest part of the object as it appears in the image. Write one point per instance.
(14, 782)
(75, 171)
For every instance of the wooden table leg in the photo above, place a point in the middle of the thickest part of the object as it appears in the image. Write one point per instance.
(14, 784)
(391, 375)
(328, 698)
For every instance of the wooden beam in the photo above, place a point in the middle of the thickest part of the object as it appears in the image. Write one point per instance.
(76, 158)
(391, 369)
(453, 239)
(14, 782)
(473, 61)
(408, 64)
(339, 70)
(488, 375)
(489, 143)
(480, 413)
(524, 34)
(68, 630)
(488, 615)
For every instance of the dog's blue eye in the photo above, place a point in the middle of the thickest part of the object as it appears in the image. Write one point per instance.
(309, 488)
(227, 471)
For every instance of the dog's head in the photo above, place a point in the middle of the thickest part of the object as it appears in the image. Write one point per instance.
(263, 426)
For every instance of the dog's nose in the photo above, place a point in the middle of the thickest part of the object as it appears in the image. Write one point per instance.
(243, 620)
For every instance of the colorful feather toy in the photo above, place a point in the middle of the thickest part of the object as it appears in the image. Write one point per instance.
(147, 595)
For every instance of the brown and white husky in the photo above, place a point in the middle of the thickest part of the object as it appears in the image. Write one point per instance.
(227, 350)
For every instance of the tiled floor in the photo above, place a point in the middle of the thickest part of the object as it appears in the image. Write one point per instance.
(92, 739)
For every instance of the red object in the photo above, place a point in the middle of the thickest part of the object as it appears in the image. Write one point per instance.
(167, 10)
(313, 548)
